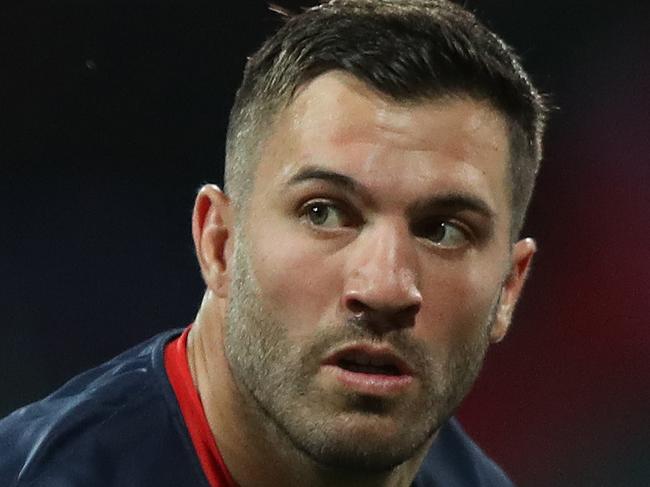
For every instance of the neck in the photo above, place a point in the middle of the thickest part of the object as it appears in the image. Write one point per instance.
(256, 451)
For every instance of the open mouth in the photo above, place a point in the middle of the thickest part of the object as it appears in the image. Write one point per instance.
(387, 369)
(369, 360)
(370, 370)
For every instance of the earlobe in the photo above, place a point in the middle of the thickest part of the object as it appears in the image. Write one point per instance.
(212, 223)
(521, 260)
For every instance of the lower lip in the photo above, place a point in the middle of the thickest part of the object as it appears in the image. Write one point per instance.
(370, 384)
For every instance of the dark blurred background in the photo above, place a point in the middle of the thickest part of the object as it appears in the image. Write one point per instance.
(112, 113)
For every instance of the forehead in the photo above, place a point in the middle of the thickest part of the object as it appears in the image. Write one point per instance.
(337, 122)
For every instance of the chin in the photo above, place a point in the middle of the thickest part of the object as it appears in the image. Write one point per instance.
(363, 442)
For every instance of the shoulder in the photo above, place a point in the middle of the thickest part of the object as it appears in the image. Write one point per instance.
(107, 421)
(454, 460)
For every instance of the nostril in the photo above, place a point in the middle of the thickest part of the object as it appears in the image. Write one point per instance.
(408, 312)
(356, 306)
(359, 306)
(381, 319)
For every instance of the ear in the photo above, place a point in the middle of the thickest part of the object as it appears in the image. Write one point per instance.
(212, 229)
(521, 259)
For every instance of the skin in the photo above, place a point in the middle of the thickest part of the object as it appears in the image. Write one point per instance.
(369, 222)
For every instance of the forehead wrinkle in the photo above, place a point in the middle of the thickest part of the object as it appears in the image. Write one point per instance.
(395, 122)
(395, 126)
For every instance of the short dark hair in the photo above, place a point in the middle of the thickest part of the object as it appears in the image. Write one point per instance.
(407, 49)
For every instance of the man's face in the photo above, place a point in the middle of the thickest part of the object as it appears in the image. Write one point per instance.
(368, 269)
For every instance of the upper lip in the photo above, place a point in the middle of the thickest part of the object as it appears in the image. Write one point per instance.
(369, 354)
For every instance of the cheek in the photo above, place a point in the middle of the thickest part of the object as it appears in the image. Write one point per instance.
(297, 282)
(457, 301)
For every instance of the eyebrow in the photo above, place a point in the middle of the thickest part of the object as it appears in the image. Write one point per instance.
(310, 173)
(451, 202)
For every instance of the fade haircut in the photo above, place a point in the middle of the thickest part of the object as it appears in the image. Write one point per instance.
(409, 50)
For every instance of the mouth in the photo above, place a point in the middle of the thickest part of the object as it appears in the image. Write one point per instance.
(375, 369)
(369, 360)
(369, 370)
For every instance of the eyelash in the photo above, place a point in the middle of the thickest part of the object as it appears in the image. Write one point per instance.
(421, 227)
(340, 206)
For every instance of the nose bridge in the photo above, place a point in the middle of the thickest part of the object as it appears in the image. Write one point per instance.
(384, 275)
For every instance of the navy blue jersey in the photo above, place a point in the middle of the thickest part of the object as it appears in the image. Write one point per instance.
(119, 425)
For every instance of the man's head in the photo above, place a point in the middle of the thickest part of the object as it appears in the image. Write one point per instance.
(408, 50)
(376, 155)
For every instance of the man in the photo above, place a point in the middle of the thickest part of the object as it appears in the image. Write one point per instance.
(365, 253)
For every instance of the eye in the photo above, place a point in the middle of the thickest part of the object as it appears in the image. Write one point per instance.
(444, 234)
(325, 214)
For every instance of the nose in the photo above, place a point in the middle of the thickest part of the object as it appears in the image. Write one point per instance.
(381, 289)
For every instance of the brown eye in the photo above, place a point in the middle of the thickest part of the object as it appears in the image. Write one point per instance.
(323, 214)
(443, 234)
(447, 235)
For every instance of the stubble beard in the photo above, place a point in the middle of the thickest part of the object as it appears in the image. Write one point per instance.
(277, 376)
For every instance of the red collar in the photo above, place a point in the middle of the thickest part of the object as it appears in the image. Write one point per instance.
(178, 372)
